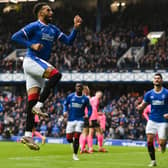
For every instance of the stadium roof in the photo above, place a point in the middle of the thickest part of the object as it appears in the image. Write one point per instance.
(83, 1)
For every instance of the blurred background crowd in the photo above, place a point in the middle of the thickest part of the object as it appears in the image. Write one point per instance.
(122, 119)
(96, 49)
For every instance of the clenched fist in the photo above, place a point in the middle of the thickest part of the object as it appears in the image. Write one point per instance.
(37, 46)
(77, 21)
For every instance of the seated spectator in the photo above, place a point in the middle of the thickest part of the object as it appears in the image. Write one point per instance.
(43, 128)
(55, 131)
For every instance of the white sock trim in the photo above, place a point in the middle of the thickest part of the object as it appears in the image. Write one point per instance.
(39, 104)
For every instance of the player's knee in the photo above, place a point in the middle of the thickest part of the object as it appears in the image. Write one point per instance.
(150, 143)
(162, 143)
(69, 138)
(33, 96)
(55, 79)
(77, 135)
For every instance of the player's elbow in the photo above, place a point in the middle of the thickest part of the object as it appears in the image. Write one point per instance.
(69, 42)
(14, 38)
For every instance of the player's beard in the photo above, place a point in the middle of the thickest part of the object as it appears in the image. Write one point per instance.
(48, 19)
(158, 85)
(79, 93)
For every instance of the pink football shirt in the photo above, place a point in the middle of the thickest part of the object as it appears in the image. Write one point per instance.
(94, 101)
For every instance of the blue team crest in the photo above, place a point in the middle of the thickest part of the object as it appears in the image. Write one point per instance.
(83, 100)
(152, 97)
(73, 99)
(163, 96)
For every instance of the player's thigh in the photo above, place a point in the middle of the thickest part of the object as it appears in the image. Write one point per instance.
(85, 131)
(162, 130)
(70, 128)
(35, 66)
(94, 124)
(102, 125)
(79, 126)
(151, 127)
(34, 84)
(86, 123)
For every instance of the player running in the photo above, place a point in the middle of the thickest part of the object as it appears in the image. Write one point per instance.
(74, 109)
(145, 114)
(38, 37)
(157, 123)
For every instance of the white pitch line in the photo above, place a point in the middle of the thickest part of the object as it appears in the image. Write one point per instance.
(34, 157)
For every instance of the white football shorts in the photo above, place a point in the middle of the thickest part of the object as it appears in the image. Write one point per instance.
(74, 126)
(156, 127)
(34, 69)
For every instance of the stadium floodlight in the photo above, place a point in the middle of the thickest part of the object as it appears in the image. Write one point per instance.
(118, 4)
(158, 34)
(3, 1)
(51, 0)
(14, 1)
(32, 0)
(123, 4)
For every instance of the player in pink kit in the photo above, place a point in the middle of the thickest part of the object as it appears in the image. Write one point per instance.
(85, 132)
(94, 124)
(102, 121)
(36, 133)
(145, 114)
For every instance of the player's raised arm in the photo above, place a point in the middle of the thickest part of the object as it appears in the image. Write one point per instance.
(69, 39)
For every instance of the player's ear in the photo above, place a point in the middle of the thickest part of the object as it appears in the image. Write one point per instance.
(40, 13)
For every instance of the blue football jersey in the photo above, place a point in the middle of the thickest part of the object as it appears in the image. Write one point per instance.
(75, 106)
(38, 32)
(159, 104)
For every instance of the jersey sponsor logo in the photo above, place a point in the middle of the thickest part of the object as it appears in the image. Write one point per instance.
(47, 37)
(76, 105)
(157, 102)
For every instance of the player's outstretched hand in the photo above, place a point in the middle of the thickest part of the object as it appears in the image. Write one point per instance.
(77, 21)
(166, 116)
(37, 46)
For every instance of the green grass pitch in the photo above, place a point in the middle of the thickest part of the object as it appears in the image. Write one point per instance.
(16, 155)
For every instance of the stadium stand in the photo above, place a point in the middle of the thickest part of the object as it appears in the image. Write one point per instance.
(92, 52)
(97, 52)
(123, 121)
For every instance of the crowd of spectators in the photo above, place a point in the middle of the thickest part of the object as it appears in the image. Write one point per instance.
(122, 119)
(91, 52)
(95, 51)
